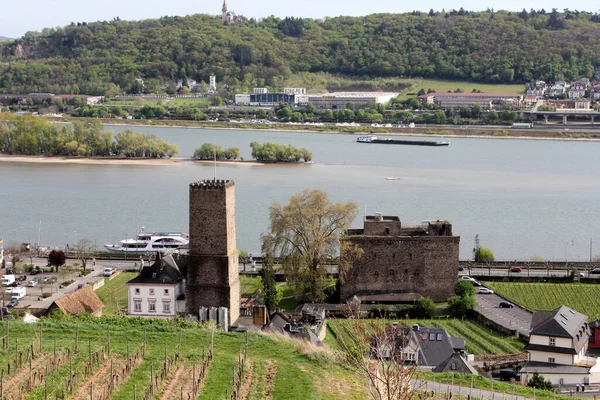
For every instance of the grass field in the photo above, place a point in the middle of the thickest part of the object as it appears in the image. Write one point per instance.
(321, 82)
(296, 372)
(114, 293)
(189, 102)
(479, 340)
(582, 297)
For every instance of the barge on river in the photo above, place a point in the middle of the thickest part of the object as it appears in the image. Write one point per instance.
(376, 140)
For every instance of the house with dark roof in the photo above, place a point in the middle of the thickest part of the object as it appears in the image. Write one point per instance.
(81, 301)
(158, 291)
(425, 347)
(456, 363)
(558, 344)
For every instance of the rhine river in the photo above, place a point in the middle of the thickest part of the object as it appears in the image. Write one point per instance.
(522, 197)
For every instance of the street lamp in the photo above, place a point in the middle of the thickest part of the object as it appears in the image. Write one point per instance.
(75, 238)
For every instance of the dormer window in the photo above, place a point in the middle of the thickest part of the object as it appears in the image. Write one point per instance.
(166, 292)
(151, 292)
(552, 341)
(137, 291)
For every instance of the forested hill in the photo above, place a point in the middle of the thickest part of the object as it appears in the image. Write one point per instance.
(108, 57)
(4, 39)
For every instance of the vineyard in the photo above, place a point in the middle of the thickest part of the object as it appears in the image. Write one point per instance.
(582, 297)
(144, 360)
(479, 340)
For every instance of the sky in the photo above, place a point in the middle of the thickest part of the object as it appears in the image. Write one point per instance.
(18, 17)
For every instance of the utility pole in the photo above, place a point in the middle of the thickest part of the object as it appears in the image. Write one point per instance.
(591, 246)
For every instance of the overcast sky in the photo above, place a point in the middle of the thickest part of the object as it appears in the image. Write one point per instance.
(18, 17)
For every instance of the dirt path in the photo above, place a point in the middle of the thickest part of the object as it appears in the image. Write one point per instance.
(245, 389)
(270, 378)
(84, 391)
(23, 373)
(173, 382)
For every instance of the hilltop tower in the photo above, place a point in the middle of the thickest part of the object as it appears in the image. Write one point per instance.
(224, 10)
(213, 270)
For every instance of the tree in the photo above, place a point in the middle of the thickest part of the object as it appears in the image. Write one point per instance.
(483, 254)
(306, 235)
(243, 257)
(460, 306)
(537, 381)
(424, 308)
(272, 292)
(464, 288)
(84, 250)
(57, 258)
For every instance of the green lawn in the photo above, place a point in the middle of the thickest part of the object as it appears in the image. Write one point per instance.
(443, 86)
(249, 285)
(114, 292)
(190, 102)
(479, 340)
(299, 373)
(582, 297)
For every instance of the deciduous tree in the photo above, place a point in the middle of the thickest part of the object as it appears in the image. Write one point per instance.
(306, 235)
(57, 258)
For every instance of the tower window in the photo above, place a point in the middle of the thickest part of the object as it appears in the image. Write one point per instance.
(376, 274)
(387, 231)
(392, 273)
(355, 274)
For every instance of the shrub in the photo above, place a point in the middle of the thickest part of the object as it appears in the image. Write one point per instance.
(537, 381)
(424, 308)
(464, 288)
(482, 254)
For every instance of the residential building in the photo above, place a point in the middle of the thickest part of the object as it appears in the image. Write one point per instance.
(595, 92)
(558, 343)
(158, 291)
(485, 100)
(427, 348)
(262, 97)
(80, 301)
(558, 89)
(578, 88)
(537, 88)
(456, 363)
(401, 263)
(339, 100)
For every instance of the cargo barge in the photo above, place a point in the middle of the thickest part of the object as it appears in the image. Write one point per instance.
(376, 140)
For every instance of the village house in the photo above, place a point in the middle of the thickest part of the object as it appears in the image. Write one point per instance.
(537, 88)
(158, 291)
(558, 89)
(595, 92)
(558, 345)
(578, 88)
(81, 301)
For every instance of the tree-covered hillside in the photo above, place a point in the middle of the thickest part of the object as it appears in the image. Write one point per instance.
(109, 57)
(4, 39)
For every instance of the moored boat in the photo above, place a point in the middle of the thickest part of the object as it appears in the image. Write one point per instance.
(150, 242)
(376, 140)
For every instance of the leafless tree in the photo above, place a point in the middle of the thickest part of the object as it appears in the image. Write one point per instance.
(84, 249)
(384, 354)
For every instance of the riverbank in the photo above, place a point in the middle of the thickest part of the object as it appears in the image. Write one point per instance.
(90, 160)
(572, 132)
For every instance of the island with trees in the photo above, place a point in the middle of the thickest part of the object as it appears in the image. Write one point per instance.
(262, 152)
(29, 135)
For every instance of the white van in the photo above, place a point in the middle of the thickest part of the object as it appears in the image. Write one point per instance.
(18, 293)
(7, 280)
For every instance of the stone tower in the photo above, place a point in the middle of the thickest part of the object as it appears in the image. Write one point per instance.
(213, 270)
(224, 10)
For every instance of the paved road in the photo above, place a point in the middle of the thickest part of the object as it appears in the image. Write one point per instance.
(510, 318)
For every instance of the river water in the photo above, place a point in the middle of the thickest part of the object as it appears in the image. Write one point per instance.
(523, 198)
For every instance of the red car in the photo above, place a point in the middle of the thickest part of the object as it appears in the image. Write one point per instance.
(516, 269)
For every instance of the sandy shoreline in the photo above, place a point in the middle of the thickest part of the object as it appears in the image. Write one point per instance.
(90, 161)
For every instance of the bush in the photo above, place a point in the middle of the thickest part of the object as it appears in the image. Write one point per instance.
(464, 288)
(424, 308)
(537, 381)
(482, 254)
(46, 295)
(461, 306)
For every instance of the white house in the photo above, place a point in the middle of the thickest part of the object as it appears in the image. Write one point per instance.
(158, 291)
(558, 343)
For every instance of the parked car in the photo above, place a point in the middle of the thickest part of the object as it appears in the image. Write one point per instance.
(13, 303)
(461, 268)
(475, 283)
(22, 278)
(5, 311)
(467, 278)
(32, 283)
(10, 271)
(505, 304)
(485, 290)
(35, 272)
(516, 269)
(508, 374)
(595, 271)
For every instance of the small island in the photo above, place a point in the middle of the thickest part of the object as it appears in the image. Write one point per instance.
(266, 153)
(29, 135)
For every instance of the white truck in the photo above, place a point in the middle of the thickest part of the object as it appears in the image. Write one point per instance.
(7, 280)
(18, 293)
(109, 271)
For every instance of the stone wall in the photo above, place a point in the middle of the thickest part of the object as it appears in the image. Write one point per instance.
(423, 264)
(212, 269)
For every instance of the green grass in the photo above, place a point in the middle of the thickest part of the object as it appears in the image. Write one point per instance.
(582, 297)
(115, 291)
(250, 284)
(189, 102)
(443, 86)
(479, 340)
(301, 373)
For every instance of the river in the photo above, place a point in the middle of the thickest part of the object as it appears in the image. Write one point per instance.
(524, 198)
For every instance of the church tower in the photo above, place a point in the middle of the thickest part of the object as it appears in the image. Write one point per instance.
(213, 278)
(224, 11)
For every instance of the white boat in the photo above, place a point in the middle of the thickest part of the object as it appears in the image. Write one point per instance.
(151, 242)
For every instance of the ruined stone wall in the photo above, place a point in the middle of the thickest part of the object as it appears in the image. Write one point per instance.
(212, 272)
(423, 264)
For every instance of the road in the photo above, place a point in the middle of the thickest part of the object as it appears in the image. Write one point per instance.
(511, 318)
